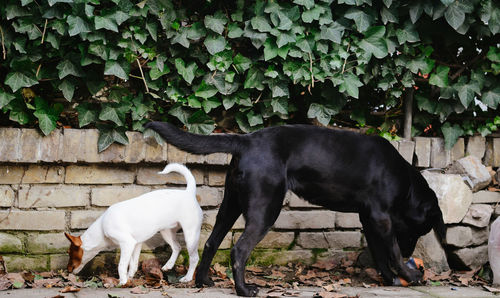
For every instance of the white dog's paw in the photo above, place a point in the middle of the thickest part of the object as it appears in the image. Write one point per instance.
(168, 266)
(123, 282)
(186, 279)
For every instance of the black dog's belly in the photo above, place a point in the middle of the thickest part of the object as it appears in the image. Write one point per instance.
(336, 200)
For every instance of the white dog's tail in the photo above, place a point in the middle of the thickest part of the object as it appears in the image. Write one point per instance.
(184, 171)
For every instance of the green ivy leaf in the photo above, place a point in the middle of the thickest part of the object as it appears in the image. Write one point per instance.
(46, 116)
(308, 16)
(350, 84)
(86, 115)
(108, 136)
(455, 15)
(77, 25)
(492, 98)
(321, 112)
(333, 32)
(216, 22)
(200, 123)
(241, 63)
(306, 3)
(215, 44)
(254, 119)
(68, 89)
(374, 42)
(440, 76)
(5, 98)
(360, 18)
(112, 113)
(66, 67)
(105, 22)
(451, 134)
(18, 80)
(280, 105)
(116, 68)
(205, 91)
(270, 49)
(254, 79)
(188, 72)
(210, 104)
(260, 24)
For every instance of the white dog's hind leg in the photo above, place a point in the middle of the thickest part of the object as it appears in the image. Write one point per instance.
(126, 250)
(169, 236)
(191, 237)
(134, 261)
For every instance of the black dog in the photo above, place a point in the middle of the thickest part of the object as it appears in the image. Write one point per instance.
(340, 170)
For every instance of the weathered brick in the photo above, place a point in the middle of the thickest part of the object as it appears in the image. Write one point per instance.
(216, 177)
(154, 151)
(10, 244)
(115, 153)
(272, 239)
(50, 146)
(295, 201)
(496, 152)
(9, 144)
(347, 220)
(312, 240)
(336, 240)
(440, 158)
(157, 241)
(209, 196)
(150, 176)
(88, 151)
(176, 155)
(488, 155)
(11, 174)
(209, 217)
(476, 146)
(82, 219)
(109, 195)
(423, 151)
(7, 196)
(406, 149)
(53, 196)
(72, 139)
(58, 261)
(30, 145)
(16, 263)
(271, 257)
(135, 151)
(316, 219)
(95, 174)
(47, 243)
(195, 158)
(218, 159)
(458, 150)
(33, 220)
(44, 174)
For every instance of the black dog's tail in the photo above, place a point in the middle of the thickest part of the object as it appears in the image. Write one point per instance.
(195, 143)
(440, 228)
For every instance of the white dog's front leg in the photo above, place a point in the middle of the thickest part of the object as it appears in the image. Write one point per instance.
(134, 261)
(169, 237)
(126, 250)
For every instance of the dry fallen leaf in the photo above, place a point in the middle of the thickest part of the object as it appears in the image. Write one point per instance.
(4, 283)
(220, 270)
(138, 290)
(69, 289)
(492, 290)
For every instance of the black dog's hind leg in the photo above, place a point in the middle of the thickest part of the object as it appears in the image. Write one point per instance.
(382, 242)
(229, 212)
(259, 220)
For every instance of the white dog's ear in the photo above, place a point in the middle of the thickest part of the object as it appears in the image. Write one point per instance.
(74, 240)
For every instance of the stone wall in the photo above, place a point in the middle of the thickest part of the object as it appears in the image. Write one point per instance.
(59, 183)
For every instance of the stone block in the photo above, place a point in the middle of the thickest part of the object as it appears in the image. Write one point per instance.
(10, 174)
(476, 146)
(272, 257)
(347, 220)
(150, 176)
(135, 151)
(335, 240)
(315, 219)
(7, 196)
(496, 152)
(88, 151)
(82, 219)
(272, 239)
(440, 158)
(458, 150)
(423, 151)
(295, 201)
(454, 196)
(109, 195)
(471, 166)
(469, 258)
(51, 147)
(463, 236)
(484, 196)
(488, 155)
(33, 220)
(95, 174)
(154, 151)
(18, 263)
(195, 158)
(115, 153)
(72, 139)
(216, 177)
(47, 243)
(406, 149)
(209, 196)
(209, 217)
(58, 261)
(44, 174)
(176, 155)
(218, 159)
(430, 250)
(157, 242)
(59, 195)
(478, 215)
(311, 240)
(11, 243)
(30, 145)
(9, 144)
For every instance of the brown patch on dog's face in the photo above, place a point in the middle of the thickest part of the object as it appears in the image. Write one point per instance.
(75, 252)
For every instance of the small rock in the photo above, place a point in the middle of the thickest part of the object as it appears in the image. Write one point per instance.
(478, 215)
(469, 258)
(471, 166)
(432, 253)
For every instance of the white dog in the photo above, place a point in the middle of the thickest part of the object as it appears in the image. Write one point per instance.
(129, 223)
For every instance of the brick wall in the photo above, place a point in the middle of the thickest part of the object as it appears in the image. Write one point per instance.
(59, 183)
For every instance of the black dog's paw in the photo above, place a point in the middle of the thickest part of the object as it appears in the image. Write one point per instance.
(202, 282)
(247, 290)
